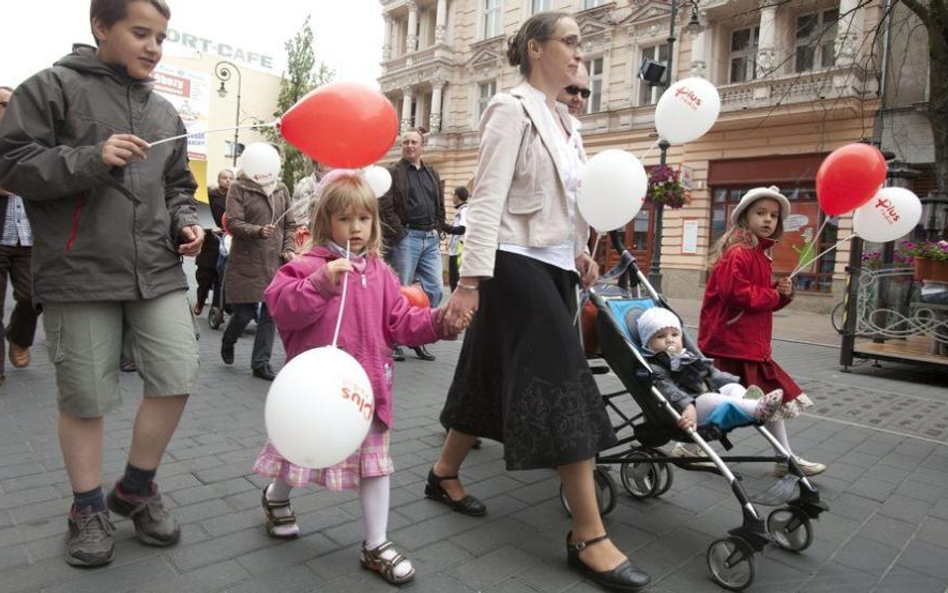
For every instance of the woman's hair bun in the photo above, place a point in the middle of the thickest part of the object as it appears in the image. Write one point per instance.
(513, 49)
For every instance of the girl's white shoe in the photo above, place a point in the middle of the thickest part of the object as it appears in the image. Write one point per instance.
(810, 468)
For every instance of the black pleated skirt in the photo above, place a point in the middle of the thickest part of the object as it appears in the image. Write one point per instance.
(522, 377)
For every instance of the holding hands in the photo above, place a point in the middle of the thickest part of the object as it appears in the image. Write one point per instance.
(463, 303)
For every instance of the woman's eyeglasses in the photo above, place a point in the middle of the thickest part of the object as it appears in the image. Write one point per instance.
(575, 90)
(572, 41)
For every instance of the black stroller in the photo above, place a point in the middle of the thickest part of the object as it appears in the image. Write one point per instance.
(646, 471)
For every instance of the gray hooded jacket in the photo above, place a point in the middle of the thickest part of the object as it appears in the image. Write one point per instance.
(99, 233)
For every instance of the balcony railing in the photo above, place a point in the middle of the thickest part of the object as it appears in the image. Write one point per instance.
(803, 87)
(440, 52)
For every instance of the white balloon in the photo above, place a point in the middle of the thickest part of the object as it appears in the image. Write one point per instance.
(612, 190)
(261, 163)
(687, 110)
(379, 179)
(891, 214)
(319, 408)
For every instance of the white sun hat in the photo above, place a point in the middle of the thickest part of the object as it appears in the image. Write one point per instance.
(752, 195)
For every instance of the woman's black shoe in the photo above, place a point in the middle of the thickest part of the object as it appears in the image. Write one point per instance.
(467, 505)
(624, 577)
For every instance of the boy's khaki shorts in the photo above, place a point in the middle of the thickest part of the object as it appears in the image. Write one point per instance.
(85, 342)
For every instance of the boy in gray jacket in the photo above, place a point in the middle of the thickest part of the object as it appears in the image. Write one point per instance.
(112, 217)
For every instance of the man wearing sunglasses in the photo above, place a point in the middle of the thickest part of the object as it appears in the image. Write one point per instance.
(16, 246)
(575, 95)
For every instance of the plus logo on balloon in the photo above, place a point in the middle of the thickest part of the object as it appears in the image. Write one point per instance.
(357, 396)
(887, 210)
(688, 97)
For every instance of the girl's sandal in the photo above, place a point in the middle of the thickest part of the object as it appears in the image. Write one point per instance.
(375, 561)
(274, 522)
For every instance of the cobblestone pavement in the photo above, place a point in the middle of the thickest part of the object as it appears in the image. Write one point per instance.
(883, 436)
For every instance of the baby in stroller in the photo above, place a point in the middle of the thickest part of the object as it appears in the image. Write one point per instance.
(699, 392)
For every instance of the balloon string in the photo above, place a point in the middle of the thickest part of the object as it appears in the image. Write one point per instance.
(188, 135)
(305, 200)
(650, 149)
(828, 249)
(802, 263)
(342, 303)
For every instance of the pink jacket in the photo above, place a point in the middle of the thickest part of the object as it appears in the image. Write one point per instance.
(305, 305)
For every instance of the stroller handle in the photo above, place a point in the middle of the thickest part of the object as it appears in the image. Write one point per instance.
(629, 266)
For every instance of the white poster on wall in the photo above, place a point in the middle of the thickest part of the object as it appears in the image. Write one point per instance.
(189, 92)
(689, 236)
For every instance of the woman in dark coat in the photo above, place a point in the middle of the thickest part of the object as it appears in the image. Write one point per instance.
(262, 233)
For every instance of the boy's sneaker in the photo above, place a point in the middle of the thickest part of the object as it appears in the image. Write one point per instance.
(809, 468)
(89, 541)
(768, 405)
(153, 524)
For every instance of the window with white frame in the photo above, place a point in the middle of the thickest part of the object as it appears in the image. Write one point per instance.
(539, 6)
(815, 40)
(594, 103)
(587, 4)
(493, 21)
(743, 59)
(485, 91)
(648, 94)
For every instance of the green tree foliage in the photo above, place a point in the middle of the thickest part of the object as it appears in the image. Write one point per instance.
(302, 75)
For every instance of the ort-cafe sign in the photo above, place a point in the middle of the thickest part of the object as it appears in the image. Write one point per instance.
(205, 45)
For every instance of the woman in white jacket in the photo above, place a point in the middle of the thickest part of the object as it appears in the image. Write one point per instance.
(522, 376)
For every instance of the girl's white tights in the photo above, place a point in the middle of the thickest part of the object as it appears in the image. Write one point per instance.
(374, 496)
(779, 430)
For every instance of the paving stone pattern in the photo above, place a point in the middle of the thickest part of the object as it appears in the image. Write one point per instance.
(887, 529)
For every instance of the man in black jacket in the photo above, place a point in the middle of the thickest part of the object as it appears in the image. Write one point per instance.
(412, 214)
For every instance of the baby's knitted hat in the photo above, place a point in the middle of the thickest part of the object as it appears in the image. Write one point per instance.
(654, 320)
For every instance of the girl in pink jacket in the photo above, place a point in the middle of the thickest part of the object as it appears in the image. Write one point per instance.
(304, 299)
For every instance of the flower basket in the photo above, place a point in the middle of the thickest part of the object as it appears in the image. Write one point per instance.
(923, 267)
(664, 187)
(938, 272)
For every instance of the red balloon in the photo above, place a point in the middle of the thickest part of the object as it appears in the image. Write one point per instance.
(224, 223)
(416, 296)
(849, 177)
(342, 124)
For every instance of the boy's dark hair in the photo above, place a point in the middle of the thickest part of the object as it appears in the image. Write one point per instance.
(112, 11)
(462, 193)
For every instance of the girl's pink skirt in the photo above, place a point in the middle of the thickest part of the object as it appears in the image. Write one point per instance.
(371, 459)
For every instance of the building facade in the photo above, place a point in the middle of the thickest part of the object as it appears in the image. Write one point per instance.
(797, 79)
(258, 102)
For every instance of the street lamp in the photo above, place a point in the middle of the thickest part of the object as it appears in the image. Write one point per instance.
(693, 27)
(223, 71)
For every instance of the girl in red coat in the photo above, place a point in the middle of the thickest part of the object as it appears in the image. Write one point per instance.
(739, 302)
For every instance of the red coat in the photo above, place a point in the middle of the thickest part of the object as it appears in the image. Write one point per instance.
(739, 302)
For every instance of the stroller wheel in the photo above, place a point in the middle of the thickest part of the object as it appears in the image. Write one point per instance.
(666, 476)
(215, 317)
(605, 492)
(640, 478)
(791, 529)
(731, 562)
